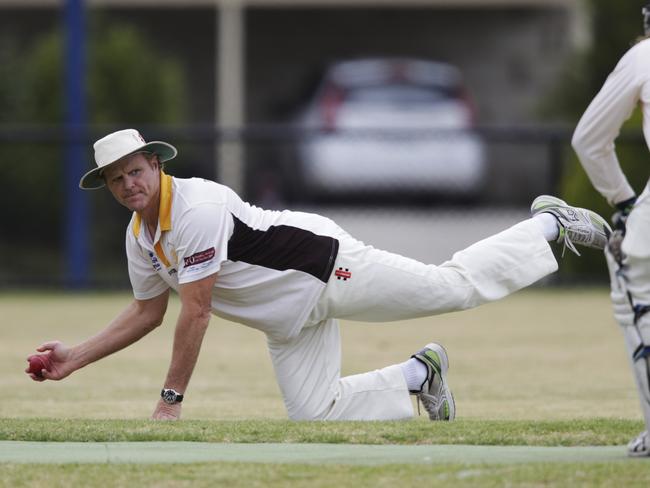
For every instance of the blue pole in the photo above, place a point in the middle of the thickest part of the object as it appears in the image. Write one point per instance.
(76, 212)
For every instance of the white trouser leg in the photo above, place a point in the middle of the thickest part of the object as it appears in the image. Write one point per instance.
(376, 285)
(632, 282)
(632, 334)
(383, 286)
(308, 370)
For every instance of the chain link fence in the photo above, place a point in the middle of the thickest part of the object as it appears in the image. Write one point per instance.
(411, 193)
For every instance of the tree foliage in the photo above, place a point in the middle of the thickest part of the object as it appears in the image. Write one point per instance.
(128, 82)
(616, 26)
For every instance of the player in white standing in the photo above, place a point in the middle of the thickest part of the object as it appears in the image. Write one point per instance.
(628, 252)
(292, 275)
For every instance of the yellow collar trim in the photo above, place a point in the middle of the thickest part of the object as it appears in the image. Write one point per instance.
(136, 225)
(164, 209)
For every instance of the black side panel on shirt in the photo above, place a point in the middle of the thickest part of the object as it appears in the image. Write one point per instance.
(284, 247)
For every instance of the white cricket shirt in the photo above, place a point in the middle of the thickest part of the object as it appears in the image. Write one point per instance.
(272, 266)
(600, 125)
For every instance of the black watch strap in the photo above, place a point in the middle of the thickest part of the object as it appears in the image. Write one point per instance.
(171, 396)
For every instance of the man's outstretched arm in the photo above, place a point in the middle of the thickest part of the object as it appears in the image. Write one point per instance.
(133, 323)
(193, 320)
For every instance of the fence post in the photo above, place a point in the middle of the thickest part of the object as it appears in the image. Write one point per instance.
(76, 212)
(556, 159)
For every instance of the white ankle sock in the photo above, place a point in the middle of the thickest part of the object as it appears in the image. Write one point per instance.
(549, 225)
(415, 374)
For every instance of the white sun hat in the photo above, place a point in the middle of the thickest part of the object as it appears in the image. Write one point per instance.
(117, 145)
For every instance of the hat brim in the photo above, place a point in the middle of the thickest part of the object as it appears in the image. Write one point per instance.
(93, 180)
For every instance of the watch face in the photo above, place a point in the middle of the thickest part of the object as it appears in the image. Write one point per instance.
(169, 396)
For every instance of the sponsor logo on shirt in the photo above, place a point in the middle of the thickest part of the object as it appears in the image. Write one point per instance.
(154, 261)
(199, 257)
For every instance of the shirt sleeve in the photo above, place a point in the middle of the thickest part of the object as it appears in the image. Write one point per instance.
(145, 281)
(202, 241)
(593, 139)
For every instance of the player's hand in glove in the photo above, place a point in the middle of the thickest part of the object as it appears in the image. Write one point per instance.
(619, 220)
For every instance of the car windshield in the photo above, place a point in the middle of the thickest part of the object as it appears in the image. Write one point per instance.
(399, 94)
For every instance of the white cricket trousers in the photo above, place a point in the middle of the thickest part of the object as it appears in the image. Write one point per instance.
(382, 286)
(633, 282)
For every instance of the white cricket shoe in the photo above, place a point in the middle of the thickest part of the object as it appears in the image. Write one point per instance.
(639, 447)
(577, 225)
(435, 394)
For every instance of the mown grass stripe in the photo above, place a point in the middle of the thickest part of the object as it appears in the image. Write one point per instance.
(589, 432)
(355, 454)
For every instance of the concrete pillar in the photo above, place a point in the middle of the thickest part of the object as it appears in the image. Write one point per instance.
(230, 92)
(580, 25)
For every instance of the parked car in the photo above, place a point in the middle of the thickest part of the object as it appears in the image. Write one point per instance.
(389, 126)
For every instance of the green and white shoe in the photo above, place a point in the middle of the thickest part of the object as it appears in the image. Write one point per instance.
(435, 394)
(577, 225)
(640, 446)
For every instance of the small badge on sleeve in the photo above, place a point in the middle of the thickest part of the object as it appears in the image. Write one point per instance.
(199, 257)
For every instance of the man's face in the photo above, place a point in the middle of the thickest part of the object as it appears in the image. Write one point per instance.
(134, 182)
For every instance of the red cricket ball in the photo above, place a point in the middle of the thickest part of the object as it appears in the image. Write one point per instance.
(39, 362)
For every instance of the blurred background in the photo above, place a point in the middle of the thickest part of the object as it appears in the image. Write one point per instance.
(420, 126)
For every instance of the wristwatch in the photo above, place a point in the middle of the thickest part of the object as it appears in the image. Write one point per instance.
(171, 396)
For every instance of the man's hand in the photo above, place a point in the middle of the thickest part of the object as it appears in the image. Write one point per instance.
(619, 222)
(61, 360)
(165, 411)
(192, 322)
(133, 323)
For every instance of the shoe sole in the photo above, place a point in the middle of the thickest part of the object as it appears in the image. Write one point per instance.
(642, 454)
(553, 201)
(638, 454)
(444, 367)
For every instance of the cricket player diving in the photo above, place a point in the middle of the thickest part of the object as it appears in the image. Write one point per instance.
(293, 275)
(628, 252)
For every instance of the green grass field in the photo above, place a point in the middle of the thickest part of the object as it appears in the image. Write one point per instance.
(541, 368)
